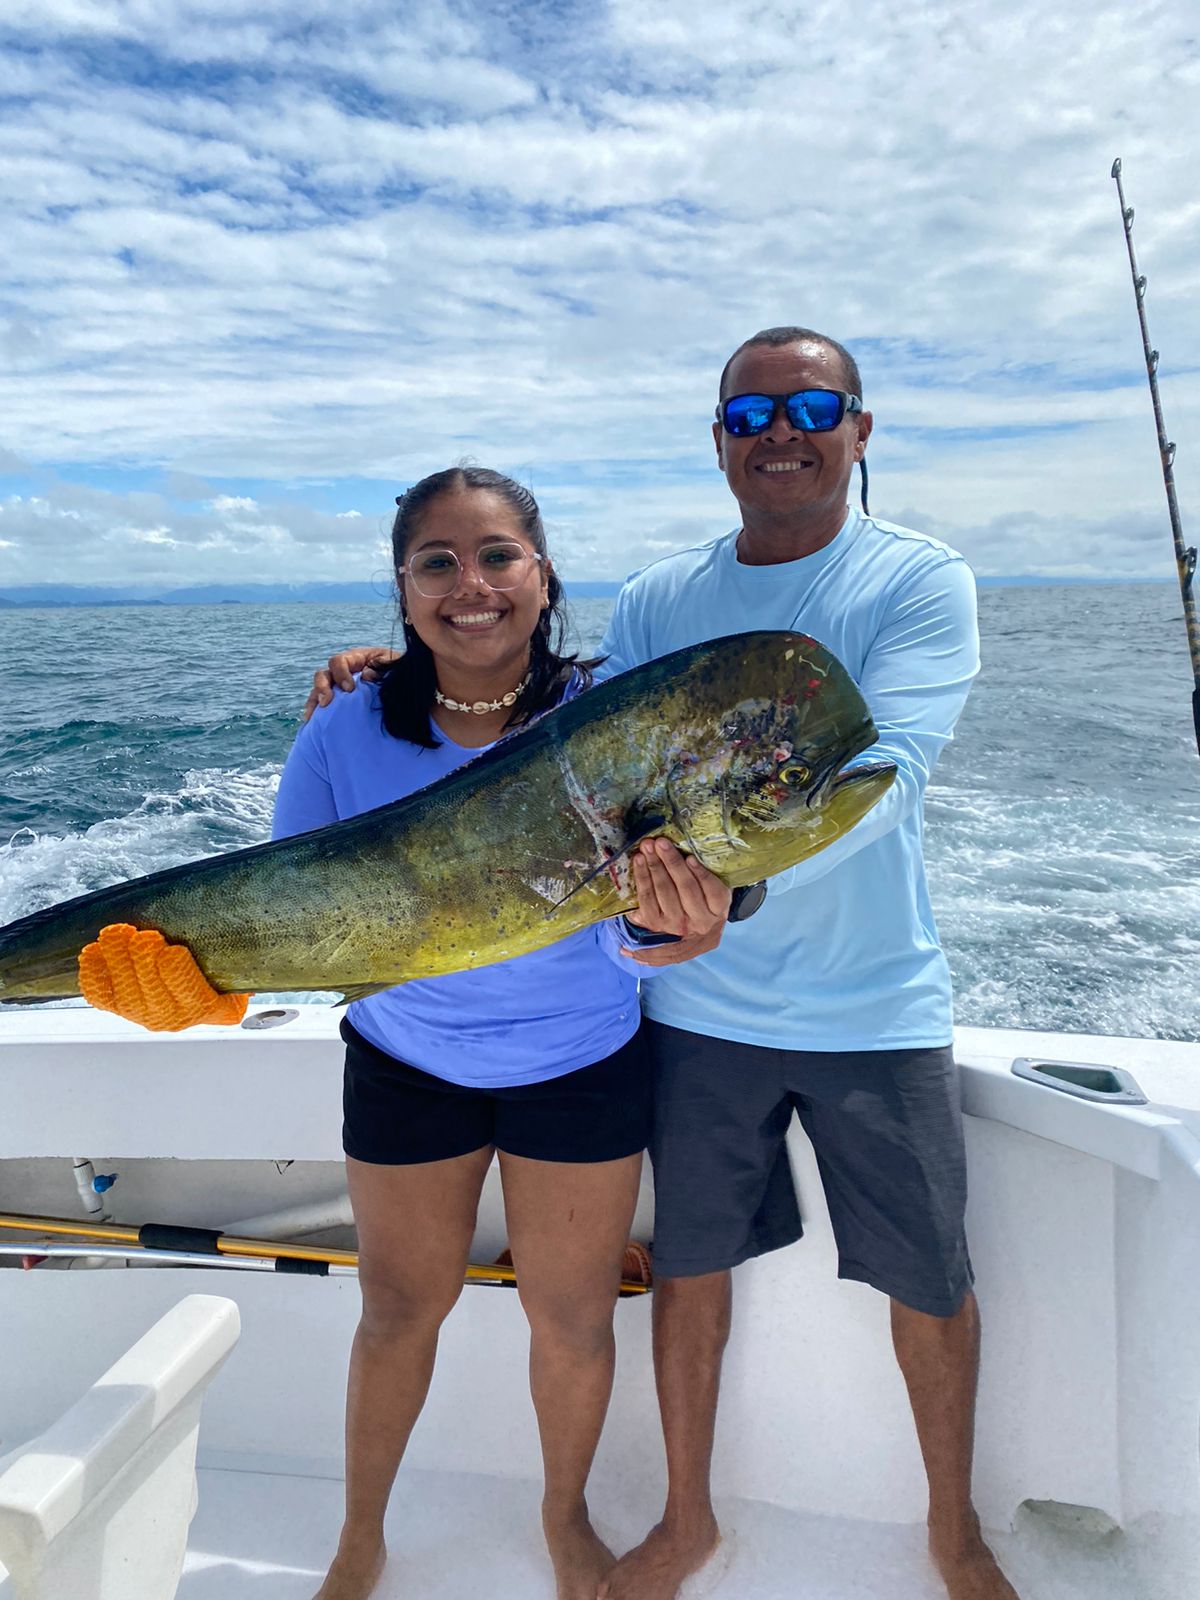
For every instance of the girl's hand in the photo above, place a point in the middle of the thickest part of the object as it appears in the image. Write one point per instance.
(146, 980)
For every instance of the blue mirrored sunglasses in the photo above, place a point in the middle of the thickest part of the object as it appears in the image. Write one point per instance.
(809, 410)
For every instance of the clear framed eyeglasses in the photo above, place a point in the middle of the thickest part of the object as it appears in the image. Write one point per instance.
(501, 564)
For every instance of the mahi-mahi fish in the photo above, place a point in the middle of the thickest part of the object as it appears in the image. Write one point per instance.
(736, 750)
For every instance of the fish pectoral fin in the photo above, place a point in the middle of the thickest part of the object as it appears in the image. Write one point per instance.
(645, 828)
(360, 991)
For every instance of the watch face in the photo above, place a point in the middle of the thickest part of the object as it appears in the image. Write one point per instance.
(746, 901)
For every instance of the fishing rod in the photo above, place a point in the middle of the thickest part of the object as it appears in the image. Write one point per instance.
(1185, 557)
(163, 1243)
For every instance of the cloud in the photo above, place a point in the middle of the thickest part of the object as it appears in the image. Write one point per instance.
(186, 486)
(77, 533)
(249, 241)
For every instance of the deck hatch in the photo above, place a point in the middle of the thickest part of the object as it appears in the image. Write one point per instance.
(1111, 1085)
(274, 1018)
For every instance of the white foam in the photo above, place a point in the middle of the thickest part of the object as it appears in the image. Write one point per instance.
(213, 812)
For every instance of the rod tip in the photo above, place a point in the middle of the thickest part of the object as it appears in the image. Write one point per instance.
(1116, 168)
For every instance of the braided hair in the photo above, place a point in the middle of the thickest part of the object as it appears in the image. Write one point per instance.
(409, 682)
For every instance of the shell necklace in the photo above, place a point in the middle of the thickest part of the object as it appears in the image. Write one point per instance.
(480, 708)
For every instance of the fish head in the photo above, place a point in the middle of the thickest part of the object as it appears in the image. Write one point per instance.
(783, 775)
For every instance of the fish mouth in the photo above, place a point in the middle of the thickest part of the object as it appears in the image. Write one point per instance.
(865, 772)
(854, 790)
(833, 775)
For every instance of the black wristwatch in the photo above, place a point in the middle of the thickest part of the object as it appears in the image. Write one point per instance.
(746, 901)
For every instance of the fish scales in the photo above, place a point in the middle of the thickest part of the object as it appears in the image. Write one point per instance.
(733, 749)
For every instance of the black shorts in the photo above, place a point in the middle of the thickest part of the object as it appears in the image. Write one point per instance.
(397, 1115)
(886, 1126)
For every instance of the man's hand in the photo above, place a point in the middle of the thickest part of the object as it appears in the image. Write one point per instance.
(676, 895)
(340, 672)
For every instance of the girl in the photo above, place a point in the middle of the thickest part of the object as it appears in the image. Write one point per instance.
(536, 1059)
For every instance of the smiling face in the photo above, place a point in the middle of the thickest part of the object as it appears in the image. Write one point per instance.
(785, 480)
(479, 636)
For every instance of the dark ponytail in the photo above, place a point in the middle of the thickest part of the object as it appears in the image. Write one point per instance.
(407, 689)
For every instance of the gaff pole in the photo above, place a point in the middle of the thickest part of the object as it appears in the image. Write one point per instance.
(171, 1244)
(1185, 558)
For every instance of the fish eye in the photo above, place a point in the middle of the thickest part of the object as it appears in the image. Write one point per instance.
(794, 772)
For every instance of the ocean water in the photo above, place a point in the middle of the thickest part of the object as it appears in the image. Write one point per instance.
(1063, 824)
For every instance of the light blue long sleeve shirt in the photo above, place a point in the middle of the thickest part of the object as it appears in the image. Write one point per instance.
(844, 954)
(534, 1017)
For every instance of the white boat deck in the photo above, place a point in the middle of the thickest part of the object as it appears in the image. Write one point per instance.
(460, 1536)
(1085, 1227)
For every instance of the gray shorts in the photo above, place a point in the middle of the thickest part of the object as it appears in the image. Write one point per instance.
(886, 1126)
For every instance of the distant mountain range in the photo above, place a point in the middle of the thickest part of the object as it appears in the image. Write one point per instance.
(201, 594)
(225, 594)
(275, 594)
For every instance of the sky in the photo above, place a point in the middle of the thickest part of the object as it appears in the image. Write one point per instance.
(264, 263)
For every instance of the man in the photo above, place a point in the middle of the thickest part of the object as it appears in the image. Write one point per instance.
(834, 999)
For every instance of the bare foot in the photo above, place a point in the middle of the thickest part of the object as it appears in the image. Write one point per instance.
(356, 1569)
(657, 1568)
(968, 1568)
(580, 1557)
